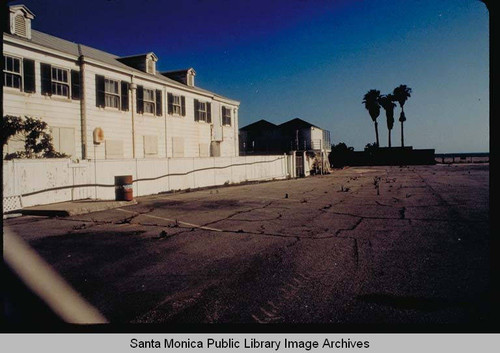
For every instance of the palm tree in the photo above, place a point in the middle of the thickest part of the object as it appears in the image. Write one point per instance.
(370, 100)
(401, 94)
(386, 102)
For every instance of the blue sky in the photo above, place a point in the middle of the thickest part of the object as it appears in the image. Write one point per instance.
(313, 59)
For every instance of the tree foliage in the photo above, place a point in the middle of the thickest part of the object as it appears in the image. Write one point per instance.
(401, 94)
(36, 134)
(371, 102)
(340, 155)
(386, 101)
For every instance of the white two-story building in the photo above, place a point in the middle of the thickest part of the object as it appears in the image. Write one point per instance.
(99, 105)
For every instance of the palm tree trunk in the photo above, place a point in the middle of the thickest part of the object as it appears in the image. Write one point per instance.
(402, 136)
(376, 133)
(389, 138)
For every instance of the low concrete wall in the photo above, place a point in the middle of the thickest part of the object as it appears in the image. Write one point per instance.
(37, 182)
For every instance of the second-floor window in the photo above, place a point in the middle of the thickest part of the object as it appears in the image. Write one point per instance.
(176, 104)
(202, 111)
(149, 101)
(112, 93)
(12, 72)
(226, 116)
(57, 81)
(19, 73)
(60, 82)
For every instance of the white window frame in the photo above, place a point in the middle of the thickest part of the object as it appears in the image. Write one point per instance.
(148, 102)
(225, 117)
(57, 83)
(202, 112)
(108, 95)
(12, 73)
(176, 105)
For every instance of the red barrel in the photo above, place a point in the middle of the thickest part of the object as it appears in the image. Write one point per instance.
(123, 188)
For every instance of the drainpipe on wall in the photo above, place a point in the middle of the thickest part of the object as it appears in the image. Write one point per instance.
(165, 112)
(236, 135)
(133, 88)
(83, 108)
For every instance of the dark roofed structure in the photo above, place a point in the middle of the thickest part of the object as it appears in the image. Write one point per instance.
(297, 123)
(185, 76)
(261, 124)
(264, 137)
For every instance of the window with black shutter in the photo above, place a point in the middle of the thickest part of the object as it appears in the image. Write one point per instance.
(29, 75)
(46, 73)
(170, 103)
(75, 84)
(209, 112)
(226, 116)
(125, 86)
(176, 104)
(183, 106)
(159, 106)
(196, 111)
(12, 72)
(99, 91)
(140, 99)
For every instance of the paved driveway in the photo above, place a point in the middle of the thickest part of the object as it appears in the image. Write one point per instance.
(362, 245)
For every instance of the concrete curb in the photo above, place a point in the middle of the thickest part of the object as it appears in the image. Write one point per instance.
(73, 208)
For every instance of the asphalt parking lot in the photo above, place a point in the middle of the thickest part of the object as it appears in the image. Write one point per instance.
(362, 245)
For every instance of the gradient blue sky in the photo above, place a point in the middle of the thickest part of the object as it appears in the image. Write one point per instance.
(313, 59)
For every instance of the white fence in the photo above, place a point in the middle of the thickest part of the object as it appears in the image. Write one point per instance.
(36, 182)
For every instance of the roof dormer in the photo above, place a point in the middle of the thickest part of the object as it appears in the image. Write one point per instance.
(143, 62)
(185, 76)
(20, 20)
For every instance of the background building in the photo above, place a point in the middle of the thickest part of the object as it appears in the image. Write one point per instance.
(263, 137)
(310, 144)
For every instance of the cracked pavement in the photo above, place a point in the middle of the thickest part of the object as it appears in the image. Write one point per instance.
(365, 245)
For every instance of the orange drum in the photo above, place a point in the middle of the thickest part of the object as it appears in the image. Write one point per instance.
(123, 188)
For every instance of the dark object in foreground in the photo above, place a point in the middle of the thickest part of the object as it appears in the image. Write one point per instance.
(384, 156)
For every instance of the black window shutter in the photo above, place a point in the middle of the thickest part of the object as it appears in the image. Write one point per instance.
(29, 75)
(196, 112)
(183, 106)
(140, 99)
(159, 108)
(75, 84)
(209, 112)
(46, 73)
(125, 86)
(223, 115)
(99, 91)
(170, 101)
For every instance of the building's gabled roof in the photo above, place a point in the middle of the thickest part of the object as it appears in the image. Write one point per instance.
(139, 55)
(22, 7)
(75, 49)
(297, 123)
(259, 125)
